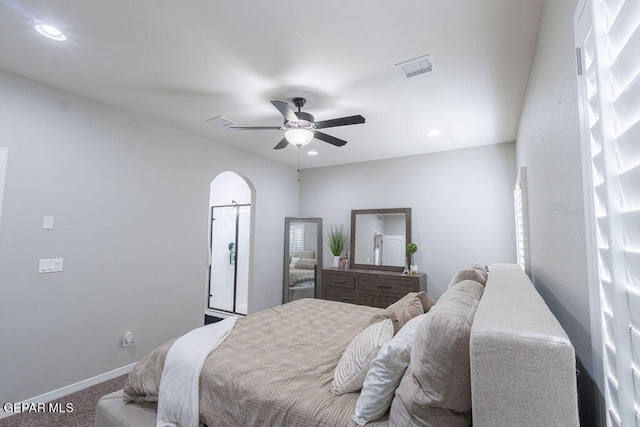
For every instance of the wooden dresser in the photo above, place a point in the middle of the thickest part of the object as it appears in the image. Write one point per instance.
(369, 287)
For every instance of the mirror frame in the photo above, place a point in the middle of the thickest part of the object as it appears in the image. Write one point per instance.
(352, 249)
(318, 274)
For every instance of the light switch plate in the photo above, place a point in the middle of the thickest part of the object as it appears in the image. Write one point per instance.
(47, 222)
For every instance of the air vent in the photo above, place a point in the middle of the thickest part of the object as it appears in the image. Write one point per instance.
(221, 121)
(416, 67)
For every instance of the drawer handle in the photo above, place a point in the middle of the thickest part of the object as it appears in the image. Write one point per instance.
(348, 299)
(338, 281)
(381, 285)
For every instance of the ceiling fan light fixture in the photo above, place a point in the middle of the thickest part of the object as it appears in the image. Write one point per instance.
(50, 32)
(298, 137)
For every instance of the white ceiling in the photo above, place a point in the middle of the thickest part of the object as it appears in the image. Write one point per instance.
(182, 62)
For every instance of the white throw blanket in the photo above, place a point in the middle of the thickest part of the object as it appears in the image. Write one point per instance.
(179, 394)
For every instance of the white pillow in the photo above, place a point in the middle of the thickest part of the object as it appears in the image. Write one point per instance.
(385, 373)
(294, 260)
(354, 363)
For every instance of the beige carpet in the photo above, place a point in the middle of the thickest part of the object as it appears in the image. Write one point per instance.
(84, 408)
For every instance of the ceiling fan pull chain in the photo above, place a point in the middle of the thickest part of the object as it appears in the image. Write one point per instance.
(298, 163)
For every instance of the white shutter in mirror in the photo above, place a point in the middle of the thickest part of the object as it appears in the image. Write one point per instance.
(608, 39)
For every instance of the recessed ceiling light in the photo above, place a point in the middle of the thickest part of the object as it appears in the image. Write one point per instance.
(312, 153)
(50, 32)
(433, 132)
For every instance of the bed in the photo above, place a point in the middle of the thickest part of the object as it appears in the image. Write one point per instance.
(502, 357)
(302, 275)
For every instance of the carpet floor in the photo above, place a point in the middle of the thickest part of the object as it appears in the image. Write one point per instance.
(84, 408)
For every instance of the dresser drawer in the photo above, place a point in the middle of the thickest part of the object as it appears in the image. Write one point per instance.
(386, 285)
(333, 294)
(344, 281)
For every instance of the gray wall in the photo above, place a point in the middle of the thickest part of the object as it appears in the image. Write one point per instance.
(461, 201)
(130, 200)
(548, 144)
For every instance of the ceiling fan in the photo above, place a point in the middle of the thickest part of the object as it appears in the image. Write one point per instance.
(300, 127)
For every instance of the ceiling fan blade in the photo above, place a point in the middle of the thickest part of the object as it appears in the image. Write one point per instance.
(343, 121)
(285, 110)
(281, 144)
(256, 128)
(330, 139)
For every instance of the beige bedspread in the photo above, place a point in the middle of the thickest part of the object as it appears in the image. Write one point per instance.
(274, 369)
(299, 275)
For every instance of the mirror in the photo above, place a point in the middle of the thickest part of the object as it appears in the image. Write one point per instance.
(379, 238)
(302, 274)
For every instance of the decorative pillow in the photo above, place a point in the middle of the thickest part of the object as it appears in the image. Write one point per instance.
(354, 363)
(427, 302)
(474, 274)
(401, 311)
(305, 254)
(293, 262)
(436, 387)
(385, 373)
(484, 270)
(306, 264)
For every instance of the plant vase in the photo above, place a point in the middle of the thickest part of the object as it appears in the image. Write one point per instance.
(412, 248)
(336, 239)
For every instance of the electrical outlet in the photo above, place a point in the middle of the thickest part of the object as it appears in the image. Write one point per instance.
(50, 265)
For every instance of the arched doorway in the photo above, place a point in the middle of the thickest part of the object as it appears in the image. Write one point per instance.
(230, 243)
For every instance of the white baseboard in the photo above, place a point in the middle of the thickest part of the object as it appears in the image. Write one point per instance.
(56, 394)
(221, 314)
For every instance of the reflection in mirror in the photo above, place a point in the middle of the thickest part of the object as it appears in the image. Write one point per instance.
(379, 238)
(302, 258)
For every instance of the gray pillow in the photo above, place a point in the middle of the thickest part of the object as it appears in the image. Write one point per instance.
(436, 388)
(306, 264)
(401, 311)
(474, 274)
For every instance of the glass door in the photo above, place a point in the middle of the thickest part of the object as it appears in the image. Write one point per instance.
(229, 275)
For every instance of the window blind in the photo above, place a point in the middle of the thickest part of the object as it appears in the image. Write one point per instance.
(608, 38)
(296, 238)
(522, 222)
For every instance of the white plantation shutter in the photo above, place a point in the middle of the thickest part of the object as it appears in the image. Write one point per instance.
(608, 38)
(296, 238)
(522, 222)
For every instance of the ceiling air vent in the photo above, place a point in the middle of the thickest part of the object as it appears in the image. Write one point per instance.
(416, 67)
(221, 121)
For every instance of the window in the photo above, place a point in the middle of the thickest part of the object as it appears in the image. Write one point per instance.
(296, 238)
(608, 47)
(522, 221)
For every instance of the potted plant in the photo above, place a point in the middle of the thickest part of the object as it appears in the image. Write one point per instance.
(337, 240)
(412, 248)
